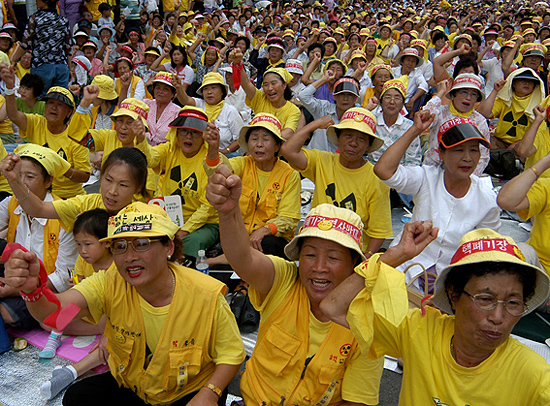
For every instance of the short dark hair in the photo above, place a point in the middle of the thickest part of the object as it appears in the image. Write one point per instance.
(437, 35)
(464, 61)
(178, 255)
(104, 7)
(459, 276)
(34, 82)
(93, 222)
(182, 50)
(316, 45)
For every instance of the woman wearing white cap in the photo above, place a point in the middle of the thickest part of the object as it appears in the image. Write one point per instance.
(52, 130)
(226, 117)
(299, 354)
(464, 94)
(270, 200)
(295, 68)
(346, 179)
(463, 354)
(409, 61)
(172, 337)
(444, 194)
(162, 109)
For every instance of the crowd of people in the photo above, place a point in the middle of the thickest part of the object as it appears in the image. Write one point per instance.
(229, 105)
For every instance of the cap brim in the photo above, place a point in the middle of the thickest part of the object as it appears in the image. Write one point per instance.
(134, 234)
(333, 137)
(58, 96)
(192, 123)
(461, 133)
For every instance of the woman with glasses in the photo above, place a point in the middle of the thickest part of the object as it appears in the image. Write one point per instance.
(181, 160)
(449, 195)
(465, 93)
(172, 338)
(463, 354)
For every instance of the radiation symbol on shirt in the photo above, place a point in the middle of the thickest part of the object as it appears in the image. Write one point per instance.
(190, 183)
(345, 350)
(509, 118)
(53, 238)
(62, 154)
(349, 202)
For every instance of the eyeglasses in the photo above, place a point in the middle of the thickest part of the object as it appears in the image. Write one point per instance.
(185, 133)
(467, 94)
(488, 302)
(143, 244)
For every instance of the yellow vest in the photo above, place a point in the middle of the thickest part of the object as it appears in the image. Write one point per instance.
(51, 235)
(181, 363)
(277, 367)
(258, 210)
(118, 85)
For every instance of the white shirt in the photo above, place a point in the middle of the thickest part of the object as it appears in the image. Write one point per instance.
(319, 108)
(237, 100)
(427, 70)
(416, 81)
(30, 234)
(493, 67)
(454, 217)
(413, 156)
(229, 122)
(186, 75)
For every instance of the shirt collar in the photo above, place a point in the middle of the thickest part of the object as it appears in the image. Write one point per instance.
(18, 210)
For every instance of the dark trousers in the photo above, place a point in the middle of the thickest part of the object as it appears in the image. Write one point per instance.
(104, 390)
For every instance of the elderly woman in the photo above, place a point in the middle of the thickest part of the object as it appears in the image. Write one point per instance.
(270, 199)
(162, 109)
(444, 194)
(379, 75)
(275, 96)
(172, 337)
(181, 158)
(346, 179)
(465, 356)
(409, 61)
(225, 116)
(52, 130)
(464, 95)
(127, 84)
(299, 354)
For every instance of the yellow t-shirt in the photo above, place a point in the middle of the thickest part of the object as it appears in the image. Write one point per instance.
(78, 156)
(380, 45)
(85, 269)
(362, 376)
(6, 125)
(432, 377)
(542, 144)
(69, 209)
(4, 185)
(184, 177)
(21, 71)
(513, 122)
(539, 209)
(359, 190)
(288, 115)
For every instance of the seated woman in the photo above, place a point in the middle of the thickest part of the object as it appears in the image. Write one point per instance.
(444, 194)
(464, 356)
(346, 179)
(464, 94)
(513, 105)
(275, 96)
(106, 141)
(127, 84)
(379, 75)
(104, 104)
(526, 194)
(51, 243)
(123, 176)
(409, 61)
(225, 116)
(181, 160)
(52, 130)
(30, 89)
(162, 109)
(270, 199)
(172, 337)
(299, 354)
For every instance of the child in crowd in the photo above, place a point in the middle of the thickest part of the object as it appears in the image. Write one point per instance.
(105, 19)
(89, 229)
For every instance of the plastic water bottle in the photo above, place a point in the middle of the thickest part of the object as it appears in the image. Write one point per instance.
(202, 264)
